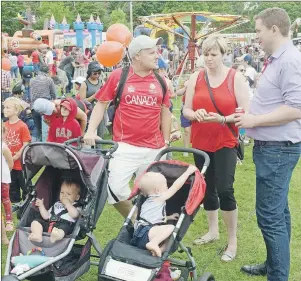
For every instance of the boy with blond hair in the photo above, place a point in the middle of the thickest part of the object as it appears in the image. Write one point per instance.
(17, 137)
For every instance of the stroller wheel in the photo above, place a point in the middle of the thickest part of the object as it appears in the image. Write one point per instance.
(207, 276)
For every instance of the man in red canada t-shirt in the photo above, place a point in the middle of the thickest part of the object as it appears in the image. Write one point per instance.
(142, 120)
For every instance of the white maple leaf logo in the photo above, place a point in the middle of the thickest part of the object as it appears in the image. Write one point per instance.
(12, 138)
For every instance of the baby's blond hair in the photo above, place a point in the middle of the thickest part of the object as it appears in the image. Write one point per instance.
(15, 102)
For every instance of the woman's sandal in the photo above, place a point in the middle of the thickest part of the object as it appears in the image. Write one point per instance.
(228, 257)
(9, 226)
(203, 241)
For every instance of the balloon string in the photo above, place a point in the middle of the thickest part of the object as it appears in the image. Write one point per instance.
(128, 56)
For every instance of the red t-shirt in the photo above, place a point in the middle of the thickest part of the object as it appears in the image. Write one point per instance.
(16, 135)
(35, 57)
(137, 118)
(213, 136)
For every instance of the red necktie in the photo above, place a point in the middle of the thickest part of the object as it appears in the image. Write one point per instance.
(266, 63)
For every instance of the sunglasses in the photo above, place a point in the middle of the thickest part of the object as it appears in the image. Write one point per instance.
(96, 73)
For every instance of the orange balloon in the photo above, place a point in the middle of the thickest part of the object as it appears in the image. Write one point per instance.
(6, 65)
(110, 53)
(120, 33)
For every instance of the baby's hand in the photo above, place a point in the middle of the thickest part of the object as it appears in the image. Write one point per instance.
(191, 169)
(40, 202)
(174, 217)
(65, 201)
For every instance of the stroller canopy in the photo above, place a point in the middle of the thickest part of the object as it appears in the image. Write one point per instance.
(172, 170)
(37, 155)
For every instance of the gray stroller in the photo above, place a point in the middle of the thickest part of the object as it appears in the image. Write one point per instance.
(120, 261)
(52, 163)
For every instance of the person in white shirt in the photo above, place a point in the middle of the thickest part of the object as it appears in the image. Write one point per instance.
(152, 229)
(250, 71)
(49, 60)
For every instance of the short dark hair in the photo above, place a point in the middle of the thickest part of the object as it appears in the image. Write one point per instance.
(277, 17)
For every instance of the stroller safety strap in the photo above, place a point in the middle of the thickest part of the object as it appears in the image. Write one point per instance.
(151, 224)
(54, 218)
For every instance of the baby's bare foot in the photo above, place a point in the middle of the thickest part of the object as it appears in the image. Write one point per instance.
(56, 235)
(154, 248)
(35, 237)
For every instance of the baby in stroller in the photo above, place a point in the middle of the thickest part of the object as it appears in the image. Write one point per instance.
(150, 230)
(60, 218)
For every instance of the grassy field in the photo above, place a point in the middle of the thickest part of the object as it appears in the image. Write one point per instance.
(251, 247)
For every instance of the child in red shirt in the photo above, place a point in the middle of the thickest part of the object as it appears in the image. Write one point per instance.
(17, 137)
(64, 127)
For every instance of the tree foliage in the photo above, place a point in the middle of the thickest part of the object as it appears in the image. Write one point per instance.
(112, 12)
(118, 16)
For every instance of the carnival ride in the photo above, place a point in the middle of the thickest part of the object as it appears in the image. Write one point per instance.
(84, 35)
(28, 39)
(192, 26)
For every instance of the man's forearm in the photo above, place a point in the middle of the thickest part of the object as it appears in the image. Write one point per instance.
(96, 116)
(280, 116)
(165, 122)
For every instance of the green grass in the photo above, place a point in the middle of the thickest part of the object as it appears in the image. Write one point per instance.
(251, 248)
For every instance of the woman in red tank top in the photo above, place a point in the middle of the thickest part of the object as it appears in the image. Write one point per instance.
(210, 133)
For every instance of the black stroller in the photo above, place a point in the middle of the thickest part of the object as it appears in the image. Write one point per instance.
(54, 163)
(122, 261)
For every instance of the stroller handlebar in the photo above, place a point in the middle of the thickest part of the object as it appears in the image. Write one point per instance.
(188, 150)
(79, 141)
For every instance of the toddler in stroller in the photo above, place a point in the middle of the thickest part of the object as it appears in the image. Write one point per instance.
(53, 164)
(151, 228)
(121, 260)
(59, 220)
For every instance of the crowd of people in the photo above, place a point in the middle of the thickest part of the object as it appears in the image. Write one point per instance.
(65, 96)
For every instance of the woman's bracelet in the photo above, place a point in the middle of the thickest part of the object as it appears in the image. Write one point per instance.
(224, 121)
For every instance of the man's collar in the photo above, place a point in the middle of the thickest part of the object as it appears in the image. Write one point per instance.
(282, 49)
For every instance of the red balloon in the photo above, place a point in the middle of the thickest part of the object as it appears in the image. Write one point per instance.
(120, 33)
(110, 53)
(6, 65)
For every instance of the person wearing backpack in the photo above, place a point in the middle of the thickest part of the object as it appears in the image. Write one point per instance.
(142, 119)
(211, 98)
